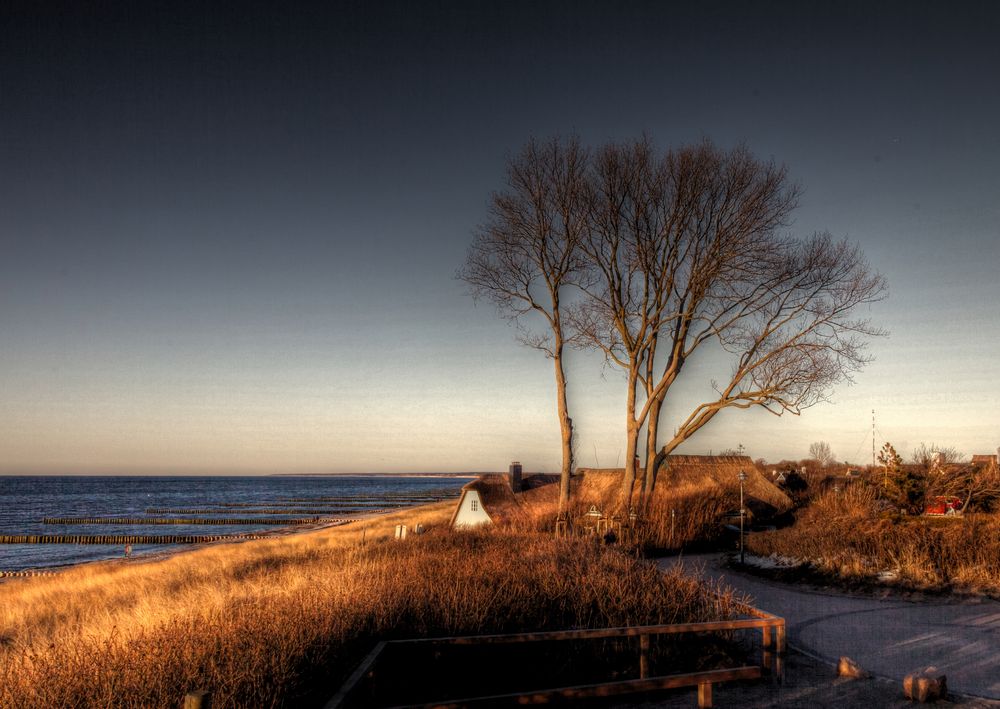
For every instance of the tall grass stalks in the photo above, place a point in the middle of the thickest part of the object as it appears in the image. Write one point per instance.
(282, 622)
(849, 535)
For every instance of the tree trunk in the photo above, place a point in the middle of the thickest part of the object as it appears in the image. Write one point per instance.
(631, 449)
(566, 431)
(632, 438)
(652, 428)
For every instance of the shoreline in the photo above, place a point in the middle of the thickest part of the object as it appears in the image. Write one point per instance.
(179, 549)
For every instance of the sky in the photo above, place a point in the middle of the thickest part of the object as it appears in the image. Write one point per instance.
(229, 232)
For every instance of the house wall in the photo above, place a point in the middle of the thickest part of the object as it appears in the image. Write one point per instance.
(470, 511)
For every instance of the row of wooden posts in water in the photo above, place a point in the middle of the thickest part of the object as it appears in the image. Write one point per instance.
(191, 520)
(122, 538)
(262, 511)
(334, 505)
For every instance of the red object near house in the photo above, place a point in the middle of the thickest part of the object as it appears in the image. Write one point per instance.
(943, 505)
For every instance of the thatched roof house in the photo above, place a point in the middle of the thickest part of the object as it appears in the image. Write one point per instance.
(694, 475)
(491, 500)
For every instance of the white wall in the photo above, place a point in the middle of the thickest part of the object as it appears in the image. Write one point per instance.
(470, 511)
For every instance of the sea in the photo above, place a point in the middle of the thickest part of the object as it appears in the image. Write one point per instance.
(258, 504)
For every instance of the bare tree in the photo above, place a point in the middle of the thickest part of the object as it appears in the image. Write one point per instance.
(789, 329)
(687, 254)
(820, 452)
(630, 213)
(527, 254)
(970, 483)
(934, 456)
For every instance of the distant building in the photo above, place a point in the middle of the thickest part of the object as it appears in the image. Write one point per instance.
(514, 472)
(984, 460)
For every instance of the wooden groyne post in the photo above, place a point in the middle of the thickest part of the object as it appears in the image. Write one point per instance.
(198, 700)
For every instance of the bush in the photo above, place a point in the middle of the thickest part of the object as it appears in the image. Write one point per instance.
(850, 536)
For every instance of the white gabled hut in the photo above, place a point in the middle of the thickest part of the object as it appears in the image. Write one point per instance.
(491, 499)
(482, 500)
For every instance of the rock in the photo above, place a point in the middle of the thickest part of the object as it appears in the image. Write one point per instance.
(849, 668)
(925, 685)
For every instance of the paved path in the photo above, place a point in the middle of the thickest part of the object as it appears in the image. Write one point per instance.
(889, 637)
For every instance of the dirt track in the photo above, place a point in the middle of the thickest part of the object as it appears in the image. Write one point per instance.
(887, 636)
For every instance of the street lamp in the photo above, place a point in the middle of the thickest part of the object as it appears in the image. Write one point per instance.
(743, 477)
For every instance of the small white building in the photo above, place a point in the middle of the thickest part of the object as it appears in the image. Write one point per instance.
(482, 501)
(492, 500)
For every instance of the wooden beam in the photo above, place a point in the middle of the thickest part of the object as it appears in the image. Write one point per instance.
(585, 633)
(608, 689)
(363, 669)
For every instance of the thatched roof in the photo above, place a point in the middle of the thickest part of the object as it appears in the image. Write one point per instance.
(698, 474)
(501, 503)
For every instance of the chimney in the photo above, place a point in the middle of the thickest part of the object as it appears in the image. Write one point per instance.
(514, 472)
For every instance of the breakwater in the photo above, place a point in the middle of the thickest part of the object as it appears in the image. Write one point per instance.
(91, 505)
(242, 521)
(122, 538)
(262, 511)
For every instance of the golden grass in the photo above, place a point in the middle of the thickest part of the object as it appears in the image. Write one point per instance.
(695, 524)
(282, 621)
(847, 536)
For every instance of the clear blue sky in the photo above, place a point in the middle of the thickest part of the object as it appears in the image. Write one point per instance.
(228, 237)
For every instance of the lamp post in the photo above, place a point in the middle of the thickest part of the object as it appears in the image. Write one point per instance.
(743, 477)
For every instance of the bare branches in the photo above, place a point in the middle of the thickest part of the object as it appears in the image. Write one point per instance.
(672, 251)
(793, 333)
(821, 452)
(528, 252)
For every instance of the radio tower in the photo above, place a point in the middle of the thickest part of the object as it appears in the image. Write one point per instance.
(873, 440)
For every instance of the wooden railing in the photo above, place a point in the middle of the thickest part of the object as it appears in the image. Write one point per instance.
(772, 629)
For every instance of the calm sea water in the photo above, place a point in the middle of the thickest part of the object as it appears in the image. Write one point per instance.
(25, 500)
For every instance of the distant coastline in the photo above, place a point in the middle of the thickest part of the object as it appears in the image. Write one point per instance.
(379, 475)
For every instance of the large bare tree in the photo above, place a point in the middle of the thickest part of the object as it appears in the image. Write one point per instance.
(526, 256)
(683, 244)
(687, 254)
(791, 330)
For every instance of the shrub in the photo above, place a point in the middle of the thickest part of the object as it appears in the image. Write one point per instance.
(850, 536)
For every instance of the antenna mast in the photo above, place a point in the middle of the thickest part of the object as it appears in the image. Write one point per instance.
(873, 440)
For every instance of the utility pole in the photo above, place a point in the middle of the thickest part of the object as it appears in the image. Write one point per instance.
(873, 440)
(742, 476)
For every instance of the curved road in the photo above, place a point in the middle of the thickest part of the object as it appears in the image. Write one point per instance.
(888, 637)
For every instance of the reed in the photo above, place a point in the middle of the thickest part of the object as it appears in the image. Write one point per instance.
(849, 535)
(282, 621)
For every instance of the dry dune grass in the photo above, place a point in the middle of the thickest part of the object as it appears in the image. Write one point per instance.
(698, 509)
(847, 535)
(281, 622)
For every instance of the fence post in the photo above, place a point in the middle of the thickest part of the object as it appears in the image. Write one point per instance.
(198, 700)
(643, 656)
(704, 695)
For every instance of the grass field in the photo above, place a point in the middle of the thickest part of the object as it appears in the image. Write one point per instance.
(281, 622)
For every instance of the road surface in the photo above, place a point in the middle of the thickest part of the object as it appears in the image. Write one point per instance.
(889, 637)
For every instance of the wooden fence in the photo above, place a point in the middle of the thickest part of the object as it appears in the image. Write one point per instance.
(772, 629)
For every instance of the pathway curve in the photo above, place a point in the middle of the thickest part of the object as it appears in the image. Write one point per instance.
(889, 637)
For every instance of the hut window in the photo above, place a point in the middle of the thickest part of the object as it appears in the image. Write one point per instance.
(475, 505)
